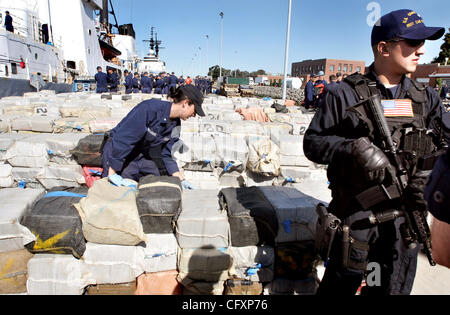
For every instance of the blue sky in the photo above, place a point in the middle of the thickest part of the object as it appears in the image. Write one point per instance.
(254, 31)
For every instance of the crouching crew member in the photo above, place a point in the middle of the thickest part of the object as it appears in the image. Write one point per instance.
(141, 143)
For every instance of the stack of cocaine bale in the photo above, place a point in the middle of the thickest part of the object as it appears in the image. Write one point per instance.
(13, 237)
(253, 228)
(215, 154)
(159, 203)
(202, 231)
(295, 268)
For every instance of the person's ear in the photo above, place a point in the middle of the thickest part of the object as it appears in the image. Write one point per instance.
(383, 49)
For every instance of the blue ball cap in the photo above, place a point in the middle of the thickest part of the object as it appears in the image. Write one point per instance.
(406, 24)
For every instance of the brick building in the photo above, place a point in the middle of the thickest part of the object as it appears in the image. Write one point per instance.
(305, 68)
(429, 73)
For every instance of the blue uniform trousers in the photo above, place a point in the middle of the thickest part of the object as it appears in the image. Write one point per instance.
(133, 169)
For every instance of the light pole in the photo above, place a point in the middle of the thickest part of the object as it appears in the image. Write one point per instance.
(207, 67)
(200, 61)
(221, 43)
(287, 50)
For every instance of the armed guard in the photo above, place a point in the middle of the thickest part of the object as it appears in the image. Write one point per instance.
(380, 134)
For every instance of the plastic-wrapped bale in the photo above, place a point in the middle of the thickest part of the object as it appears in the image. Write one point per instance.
(195, 287)
(15, 203)
(30, 151)
(242, 287)
(158, 201)
(214, 127)
(59, 146)
(13, 276)
(202, 180)
(264, 157)
(296, 213)
(88, 150)
(71, 125)
(6, 141)
(254, 179)
(160, 252)
(112, 289)
(197, 152)
(201, 222)
(26, 177)
(300, 124)
(56, 224)
(295, 260)
(248, 128)
(204, 264)
(34, 123)
(6, 179)
(158, 283)
(255, 263)
(103, 125)
(291, 150)
(109, 215)
(232, 152)
(54, 175)
(253, 220)
(291, 287)
(91, 112)
(53, 274)
(109, 264)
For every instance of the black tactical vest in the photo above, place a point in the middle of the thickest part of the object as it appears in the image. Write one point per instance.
(410, 134)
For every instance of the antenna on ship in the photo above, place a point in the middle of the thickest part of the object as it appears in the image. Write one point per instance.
(157, 43)
(152, 40)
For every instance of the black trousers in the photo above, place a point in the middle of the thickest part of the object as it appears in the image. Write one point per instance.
(397, 263)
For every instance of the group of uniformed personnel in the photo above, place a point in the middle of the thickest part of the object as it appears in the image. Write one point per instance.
(145, 83)
(370, 205)
(204, 84)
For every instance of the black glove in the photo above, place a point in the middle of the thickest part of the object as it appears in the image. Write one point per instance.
(414, 192)
(370, 160)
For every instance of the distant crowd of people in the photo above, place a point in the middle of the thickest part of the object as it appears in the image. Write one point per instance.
(147, 83)
(317, 86)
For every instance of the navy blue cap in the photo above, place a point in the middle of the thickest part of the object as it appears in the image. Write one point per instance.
(406, 24)
(194, 94)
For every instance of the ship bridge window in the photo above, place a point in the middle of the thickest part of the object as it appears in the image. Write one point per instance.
(36, 56)
(71, 64)
(14, 68)
(89, 32)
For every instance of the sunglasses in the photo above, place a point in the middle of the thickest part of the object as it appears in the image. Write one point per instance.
(410, 42)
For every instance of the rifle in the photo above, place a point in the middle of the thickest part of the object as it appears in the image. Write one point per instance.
(416, 229)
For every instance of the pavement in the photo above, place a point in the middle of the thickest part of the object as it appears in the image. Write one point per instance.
(431, 280)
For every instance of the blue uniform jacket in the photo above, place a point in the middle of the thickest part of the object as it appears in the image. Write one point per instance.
(147, 82)
(333, 125)
(102, 81)
(113, 80)
(8, 23)
(129, 81)
(173, 80)
(147, 125)
(309, 93)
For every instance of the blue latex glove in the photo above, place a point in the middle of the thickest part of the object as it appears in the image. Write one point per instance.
(186, 185)
(119, 181)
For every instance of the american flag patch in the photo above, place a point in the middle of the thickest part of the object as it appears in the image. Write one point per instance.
(397, 108)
